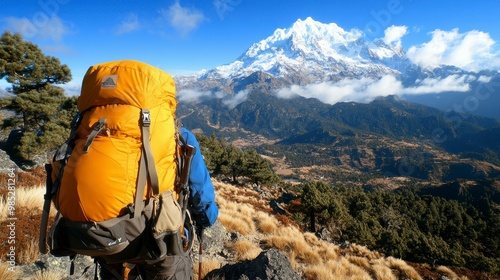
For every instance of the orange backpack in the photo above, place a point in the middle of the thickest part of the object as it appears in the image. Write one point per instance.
(101, 175)
(123, 142)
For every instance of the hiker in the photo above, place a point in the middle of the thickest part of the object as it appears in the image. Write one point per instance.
(130, 186)
(204, 212)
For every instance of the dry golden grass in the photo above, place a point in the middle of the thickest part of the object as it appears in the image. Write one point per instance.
(49, 275)
(303, 253)
(243, 211)
(30, 198)
(341, 268)
(3, 208)
(244, 249)
(236, 221)
(266, 224)
(404, 269)
(383, 272)
(207, 265)
(241, 195)
(328, 252)
(318, 272)
(5, 273)
(234, 214)
(30, 254)
(362, 251)
(360, 261)
(449, 273)
(312, 239)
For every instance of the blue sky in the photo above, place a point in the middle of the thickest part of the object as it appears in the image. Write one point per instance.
(186, 36)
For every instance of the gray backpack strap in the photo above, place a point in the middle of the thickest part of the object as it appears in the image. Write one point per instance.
(147, 167)
(95, 131)
(147, 152)
(141, 184)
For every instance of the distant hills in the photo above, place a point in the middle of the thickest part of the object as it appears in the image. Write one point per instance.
(388, 136)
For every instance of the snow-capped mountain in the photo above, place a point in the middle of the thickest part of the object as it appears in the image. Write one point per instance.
(345, 65)
(314, 51)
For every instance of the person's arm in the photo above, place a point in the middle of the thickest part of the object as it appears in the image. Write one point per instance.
(202, 196)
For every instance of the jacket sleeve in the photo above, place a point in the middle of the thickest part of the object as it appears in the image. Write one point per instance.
(203, 208)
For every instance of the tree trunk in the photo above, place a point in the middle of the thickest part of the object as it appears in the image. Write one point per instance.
(312, 216)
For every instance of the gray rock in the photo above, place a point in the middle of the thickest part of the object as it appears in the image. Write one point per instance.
(269, 265)
(214, 239)
(84, 267)
(6, 164)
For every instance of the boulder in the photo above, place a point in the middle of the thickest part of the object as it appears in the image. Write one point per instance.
(269, 265)
(6, 164)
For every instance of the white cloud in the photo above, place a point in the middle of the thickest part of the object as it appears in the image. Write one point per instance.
(471, 51)
(192, 95)
(130, 24)
(234, 100)
(58, 48)
(431, 85)
(195, 96)
(44, 27)
(183, 19)
(73, 88)
(366, 89)
(359, 90)
(393, 35)
(224, 6)
(484, 79)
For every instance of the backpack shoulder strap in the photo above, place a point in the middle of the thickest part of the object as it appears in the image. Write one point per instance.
(61, 155)
(147, 167)
(185, 158)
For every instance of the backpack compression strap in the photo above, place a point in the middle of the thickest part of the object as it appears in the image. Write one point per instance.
(147, 166)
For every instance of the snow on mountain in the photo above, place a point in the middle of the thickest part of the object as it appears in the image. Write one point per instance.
(310, 48)
(324, 61)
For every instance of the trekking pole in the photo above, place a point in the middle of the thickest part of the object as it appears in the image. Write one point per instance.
(200, 252)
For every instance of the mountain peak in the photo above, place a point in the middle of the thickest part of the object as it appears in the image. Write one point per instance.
(329, 31)
(309, 52)
(310, 48)
(308, 37)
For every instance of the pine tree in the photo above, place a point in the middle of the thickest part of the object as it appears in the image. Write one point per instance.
(258, 169)
(316, 198)
(36, 101)
(233, 163)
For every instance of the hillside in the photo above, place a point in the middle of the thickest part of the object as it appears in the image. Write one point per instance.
(351, 105)
(387, 137)
(247, 226)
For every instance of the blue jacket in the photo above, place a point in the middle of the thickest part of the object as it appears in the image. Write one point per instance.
(203, 209)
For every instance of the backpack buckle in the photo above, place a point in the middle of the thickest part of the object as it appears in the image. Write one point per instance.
(146, 117)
